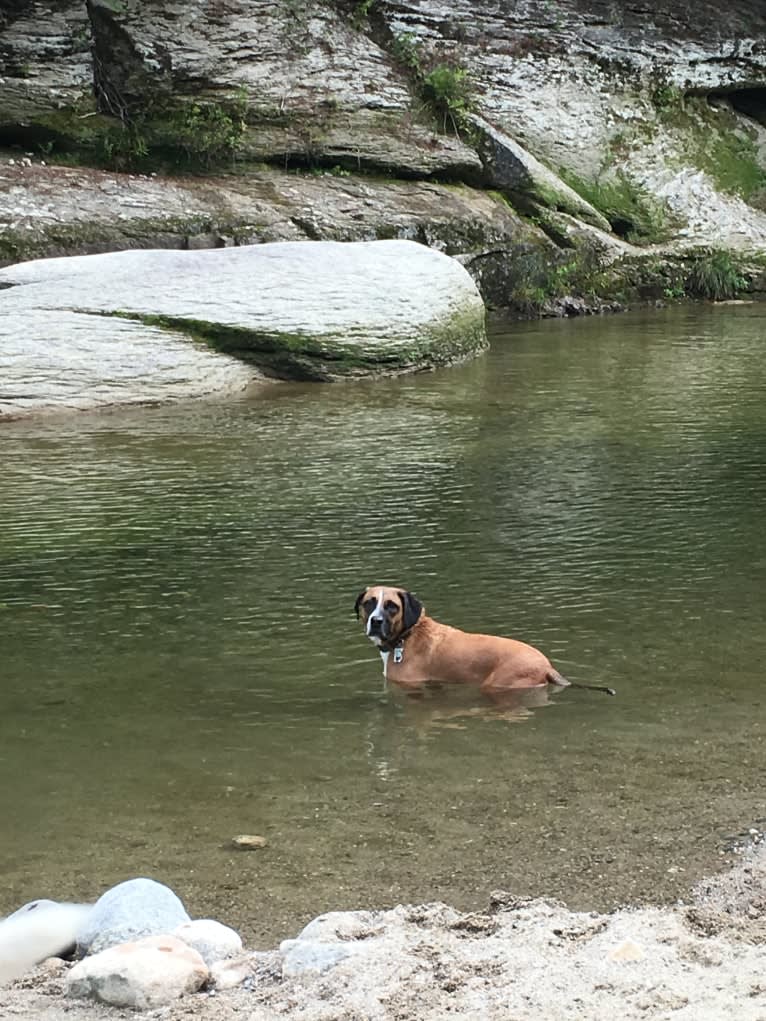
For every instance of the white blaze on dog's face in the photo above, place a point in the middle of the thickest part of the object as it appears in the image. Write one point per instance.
(387, 613)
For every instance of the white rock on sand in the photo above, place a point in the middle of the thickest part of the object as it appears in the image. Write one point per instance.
(146, 973)
(213, 941)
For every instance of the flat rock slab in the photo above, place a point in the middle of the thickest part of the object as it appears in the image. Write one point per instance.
(76, 331)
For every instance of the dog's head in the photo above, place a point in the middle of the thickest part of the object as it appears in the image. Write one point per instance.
(387, 613)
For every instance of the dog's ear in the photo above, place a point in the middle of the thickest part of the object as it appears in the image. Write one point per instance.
(358, 602)
(412, 609)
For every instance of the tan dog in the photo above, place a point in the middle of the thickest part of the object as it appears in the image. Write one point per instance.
(417, 649)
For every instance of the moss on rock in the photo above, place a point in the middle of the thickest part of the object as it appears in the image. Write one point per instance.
(305, 356)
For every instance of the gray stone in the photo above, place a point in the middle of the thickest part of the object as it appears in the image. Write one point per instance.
(516, 171)
(311, 957)
(326, 941)
(38, 930)
(99, 212)
(66, 360)
(316, 87)
(213, 941)
(45, 60)
(147, 973)
(231, 973)
(613, 101)
(128, 911)
(339, 925)
(600, 98)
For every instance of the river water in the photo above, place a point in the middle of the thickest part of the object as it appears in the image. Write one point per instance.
(180, 662)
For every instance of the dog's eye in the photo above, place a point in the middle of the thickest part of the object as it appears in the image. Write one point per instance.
(390, 607)
(369, 604)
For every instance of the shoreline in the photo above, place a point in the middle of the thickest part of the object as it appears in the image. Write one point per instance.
(523, 958)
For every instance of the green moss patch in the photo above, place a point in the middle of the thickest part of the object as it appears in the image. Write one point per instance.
(169, 132)
(708, 273)
(702, 273)
(717, 141)
(632, 212)
(301, 356)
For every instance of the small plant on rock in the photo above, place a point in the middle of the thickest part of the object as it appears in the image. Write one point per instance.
(715, 275)
(449, 91)
(667, 98)
(211, 132)
(362, 12)
(445, 86)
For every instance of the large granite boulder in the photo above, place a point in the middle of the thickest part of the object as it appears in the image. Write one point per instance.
(308, 310)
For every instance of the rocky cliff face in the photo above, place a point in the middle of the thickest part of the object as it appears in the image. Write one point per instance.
(610, 131)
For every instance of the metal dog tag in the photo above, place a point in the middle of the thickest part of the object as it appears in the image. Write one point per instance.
(398, 654)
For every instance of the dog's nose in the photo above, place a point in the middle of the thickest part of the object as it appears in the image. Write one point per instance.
(375, 625)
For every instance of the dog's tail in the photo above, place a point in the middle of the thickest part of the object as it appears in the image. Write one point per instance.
(554, 677)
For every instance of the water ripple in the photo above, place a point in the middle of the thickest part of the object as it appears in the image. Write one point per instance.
(180, 582)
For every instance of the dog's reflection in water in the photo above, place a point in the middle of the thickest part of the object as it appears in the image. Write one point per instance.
(442, 707)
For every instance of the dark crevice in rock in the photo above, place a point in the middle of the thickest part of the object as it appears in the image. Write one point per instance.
(10, 10)
(621, 227)
(360, 166)
(28, 137)
(750, 102)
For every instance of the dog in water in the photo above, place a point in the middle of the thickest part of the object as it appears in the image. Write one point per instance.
(416, 650)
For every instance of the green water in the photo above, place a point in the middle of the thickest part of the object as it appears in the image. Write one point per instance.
(180, 663)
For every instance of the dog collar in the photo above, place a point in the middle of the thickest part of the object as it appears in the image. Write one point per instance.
(398, 650)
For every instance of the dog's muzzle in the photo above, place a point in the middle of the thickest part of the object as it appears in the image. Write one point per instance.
(377, 627)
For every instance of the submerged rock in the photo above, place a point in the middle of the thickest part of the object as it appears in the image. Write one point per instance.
(313, 310)
(130, 910)
(249, 842)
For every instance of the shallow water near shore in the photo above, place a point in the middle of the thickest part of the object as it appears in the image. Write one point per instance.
(180, 663)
